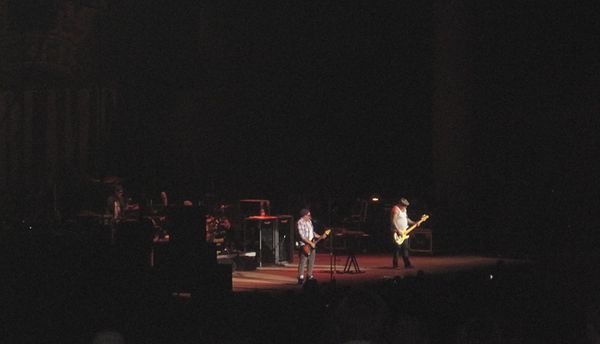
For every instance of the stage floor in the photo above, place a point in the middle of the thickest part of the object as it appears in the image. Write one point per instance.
(372, 268)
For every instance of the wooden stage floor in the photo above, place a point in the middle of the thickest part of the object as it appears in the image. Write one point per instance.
(373, 268)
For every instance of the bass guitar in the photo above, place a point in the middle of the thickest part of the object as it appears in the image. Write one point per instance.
(399, 238)
(307, 249)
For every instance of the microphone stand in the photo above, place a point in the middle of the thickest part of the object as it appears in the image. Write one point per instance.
(331, 253)
(331, 258)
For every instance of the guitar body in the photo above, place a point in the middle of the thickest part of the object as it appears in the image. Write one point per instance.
(400, 238)
(307, 249)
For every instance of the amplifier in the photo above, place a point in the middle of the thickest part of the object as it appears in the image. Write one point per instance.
(271, 237)
(421, 241)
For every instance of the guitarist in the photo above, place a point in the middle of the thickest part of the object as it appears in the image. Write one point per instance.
(399, 223)
(306, 236)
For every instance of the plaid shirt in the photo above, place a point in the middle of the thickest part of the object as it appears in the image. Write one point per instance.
(305, 229)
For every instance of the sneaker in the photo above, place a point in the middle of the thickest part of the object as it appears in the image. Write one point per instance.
(300, 280)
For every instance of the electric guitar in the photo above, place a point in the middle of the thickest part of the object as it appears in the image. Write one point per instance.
(399, 238)
(307, 249)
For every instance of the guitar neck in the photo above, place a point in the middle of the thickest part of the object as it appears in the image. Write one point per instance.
(411, 228)
(322, 236)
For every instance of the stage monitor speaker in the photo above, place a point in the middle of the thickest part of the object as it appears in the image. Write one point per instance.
(284, 251)
(241, 263)
(421, 241)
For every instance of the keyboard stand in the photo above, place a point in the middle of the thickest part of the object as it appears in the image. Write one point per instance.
(351, 262)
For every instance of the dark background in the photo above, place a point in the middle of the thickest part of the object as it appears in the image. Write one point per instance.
(267, 99)
(308, 101)
(336, 99)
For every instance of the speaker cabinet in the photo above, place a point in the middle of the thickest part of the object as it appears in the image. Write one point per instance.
(260, 236)
(284, 251)
(421, 241)
(271, 237)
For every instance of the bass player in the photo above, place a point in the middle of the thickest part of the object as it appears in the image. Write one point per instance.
(399, 223)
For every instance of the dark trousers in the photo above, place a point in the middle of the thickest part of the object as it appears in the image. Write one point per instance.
(401, 250)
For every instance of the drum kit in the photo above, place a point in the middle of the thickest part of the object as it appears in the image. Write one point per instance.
(153, 214)
(218, 232)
